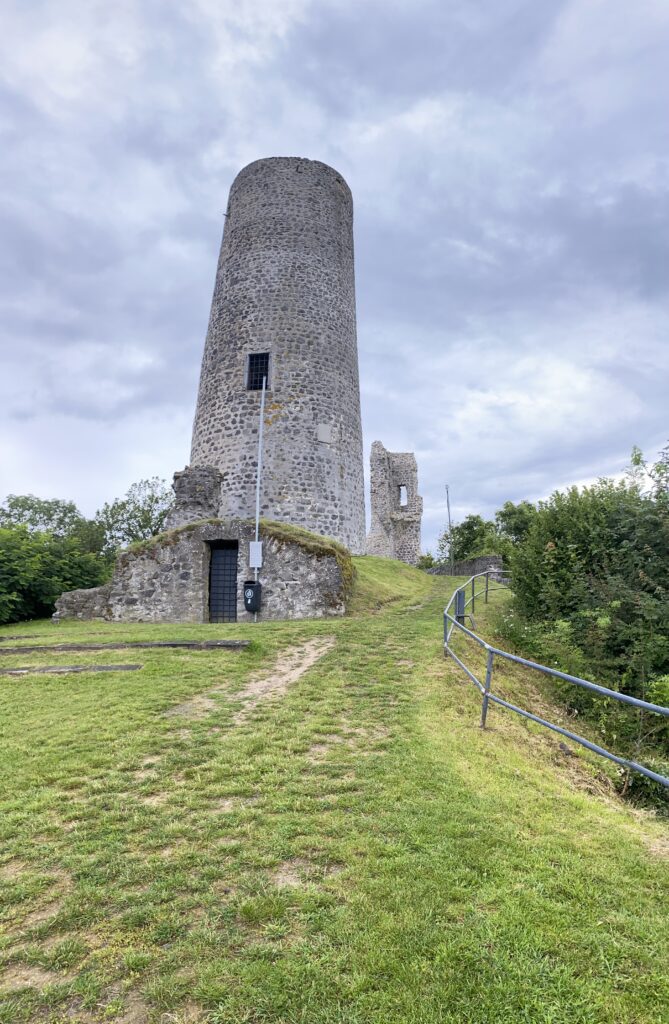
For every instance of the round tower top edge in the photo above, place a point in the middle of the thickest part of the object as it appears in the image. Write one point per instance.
(298, 164)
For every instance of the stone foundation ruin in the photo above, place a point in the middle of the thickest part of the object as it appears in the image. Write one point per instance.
(172, 577)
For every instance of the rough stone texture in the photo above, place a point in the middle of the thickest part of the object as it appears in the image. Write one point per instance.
(197, 496)
(92, 603)
(470, 566)
(395, 528)
(167, 579)
(285, 285)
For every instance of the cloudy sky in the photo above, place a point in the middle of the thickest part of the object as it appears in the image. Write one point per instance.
(509, 162)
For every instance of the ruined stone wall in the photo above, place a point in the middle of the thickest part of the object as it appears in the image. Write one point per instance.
(285, 285)
(197, 496)
(395, 528)
(89, 603)
(167, 579)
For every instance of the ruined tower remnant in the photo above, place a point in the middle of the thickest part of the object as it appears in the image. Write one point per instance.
(397, 507)
(284, 309)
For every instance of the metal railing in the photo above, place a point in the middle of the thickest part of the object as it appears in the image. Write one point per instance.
(456, 621)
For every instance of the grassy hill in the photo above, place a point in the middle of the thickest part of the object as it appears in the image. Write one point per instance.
(206, 840)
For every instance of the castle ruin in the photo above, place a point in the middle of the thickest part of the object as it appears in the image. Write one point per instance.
(397, 508)
(282, 332)
(284, 308)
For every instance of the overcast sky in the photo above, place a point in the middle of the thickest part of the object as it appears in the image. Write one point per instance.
(509, 163)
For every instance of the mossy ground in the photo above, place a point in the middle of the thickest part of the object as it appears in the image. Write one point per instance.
(356, 850)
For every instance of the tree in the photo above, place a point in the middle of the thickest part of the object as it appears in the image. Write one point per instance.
(36, 567)
(137, 516)
(426, 561)
(597, 559)
(48, 547)
(514, 521)
(473, 536)
(49, 515)
(656, 472)
(54, 516)
(476, 536)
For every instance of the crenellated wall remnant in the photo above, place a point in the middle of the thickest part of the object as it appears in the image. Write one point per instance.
(397, 508)
(197, 496)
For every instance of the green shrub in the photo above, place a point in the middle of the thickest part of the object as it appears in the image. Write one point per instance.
(36, 567)
(591, 585)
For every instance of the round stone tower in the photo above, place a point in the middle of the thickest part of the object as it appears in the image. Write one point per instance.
(284, 308)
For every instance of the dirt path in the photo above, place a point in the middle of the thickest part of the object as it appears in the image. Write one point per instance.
(287, 670)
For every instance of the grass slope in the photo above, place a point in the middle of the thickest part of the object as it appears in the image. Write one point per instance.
(355, 850)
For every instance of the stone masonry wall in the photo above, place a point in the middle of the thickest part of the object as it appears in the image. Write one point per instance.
(167, 579)
(197, 496)
(285, 285)
(395, 528)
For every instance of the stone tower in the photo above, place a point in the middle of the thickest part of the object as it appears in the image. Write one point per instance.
(284, 308)
(397, 508)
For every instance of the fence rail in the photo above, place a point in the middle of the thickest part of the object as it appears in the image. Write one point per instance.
(455, 614)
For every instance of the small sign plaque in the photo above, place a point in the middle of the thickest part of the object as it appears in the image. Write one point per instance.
(255, 554)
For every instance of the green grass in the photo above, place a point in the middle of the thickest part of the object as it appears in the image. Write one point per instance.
(356, 850)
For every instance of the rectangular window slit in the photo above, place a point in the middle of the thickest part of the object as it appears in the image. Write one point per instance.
(258, 367)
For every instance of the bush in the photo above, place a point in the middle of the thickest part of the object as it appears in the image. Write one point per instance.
(36, 567)
(598, 559)
(591, 585)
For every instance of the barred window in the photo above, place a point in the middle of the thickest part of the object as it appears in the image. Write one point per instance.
(258, 367)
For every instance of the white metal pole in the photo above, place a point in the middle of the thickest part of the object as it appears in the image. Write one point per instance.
(259, 471)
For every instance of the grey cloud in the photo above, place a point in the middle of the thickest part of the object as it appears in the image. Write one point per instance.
(353, 54)
(511, 210)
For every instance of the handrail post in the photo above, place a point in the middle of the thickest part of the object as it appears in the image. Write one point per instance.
(486, 693)
(460, 606)
(487, 581)
(473, 594)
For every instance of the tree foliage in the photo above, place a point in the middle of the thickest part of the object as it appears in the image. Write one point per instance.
(598, 558)
(52, 515)
(48, 515)
(476, 536)
(591, 584)
(47, 546)
(36, 567)
(140, 514)
(513, 522)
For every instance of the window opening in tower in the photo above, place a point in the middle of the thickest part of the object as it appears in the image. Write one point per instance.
(258, 368)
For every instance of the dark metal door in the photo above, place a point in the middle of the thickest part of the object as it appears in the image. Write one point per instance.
(223, 582)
